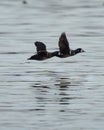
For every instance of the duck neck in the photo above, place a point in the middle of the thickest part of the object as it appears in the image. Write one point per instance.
(74, 52)
(55, 53)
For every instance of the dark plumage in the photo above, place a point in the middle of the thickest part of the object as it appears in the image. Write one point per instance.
(42, 53)
(64, 49)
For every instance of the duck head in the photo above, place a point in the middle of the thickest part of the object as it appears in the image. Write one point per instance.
(79, 50)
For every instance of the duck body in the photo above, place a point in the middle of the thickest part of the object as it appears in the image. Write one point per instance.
(64, 49)
(70, 53)
(42, 53)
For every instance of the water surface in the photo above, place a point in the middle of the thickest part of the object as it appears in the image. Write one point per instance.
(55, 94)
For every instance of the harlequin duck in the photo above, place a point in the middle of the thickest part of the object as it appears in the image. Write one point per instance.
(64, 49)
(42, 53)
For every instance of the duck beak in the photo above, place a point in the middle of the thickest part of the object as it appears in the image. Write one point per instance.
(83, 51)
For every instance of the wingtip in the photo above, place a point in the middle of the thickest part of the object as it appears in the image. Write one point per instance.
(63, 33)
(35, 43)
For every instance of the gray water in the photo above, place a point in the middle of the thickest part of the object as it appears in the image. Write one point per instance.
(55, 94)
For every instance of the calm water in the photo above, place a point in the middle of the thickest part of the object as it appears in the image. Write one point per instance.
(55, 94)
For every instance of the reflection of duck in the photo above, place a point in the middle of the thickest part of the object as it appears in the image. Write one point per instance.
(64, 83)
(64, 49)
(42, 53)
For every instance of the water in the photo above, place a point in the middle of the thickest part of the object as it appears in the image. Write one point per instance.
(54, 94)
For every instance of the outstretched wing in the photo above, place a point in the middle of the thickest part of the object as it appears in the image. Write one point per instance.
(40, 46)
(63, 44)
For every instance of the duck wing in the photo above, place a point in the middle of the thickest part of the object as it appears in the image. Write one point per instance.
(63, 44)
(40, 46)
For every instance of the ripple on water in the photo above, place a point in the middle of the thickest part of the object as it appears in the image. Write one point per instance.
(65, 92)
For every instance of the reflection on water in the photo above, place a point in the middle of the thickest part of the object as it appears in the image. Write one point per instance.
(55, 94)
(58, 93)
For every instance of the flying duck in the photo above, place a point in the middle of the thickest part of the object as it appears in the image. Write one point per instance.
(64, 49)
(42, 53)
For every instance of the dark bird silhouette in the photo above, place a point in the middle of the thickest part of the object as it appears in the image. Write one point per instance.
(64, 49)
(42, 53)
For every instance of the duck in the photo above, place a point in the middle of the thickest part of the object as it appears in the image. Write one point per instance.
(42, 53)
(64, 49)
